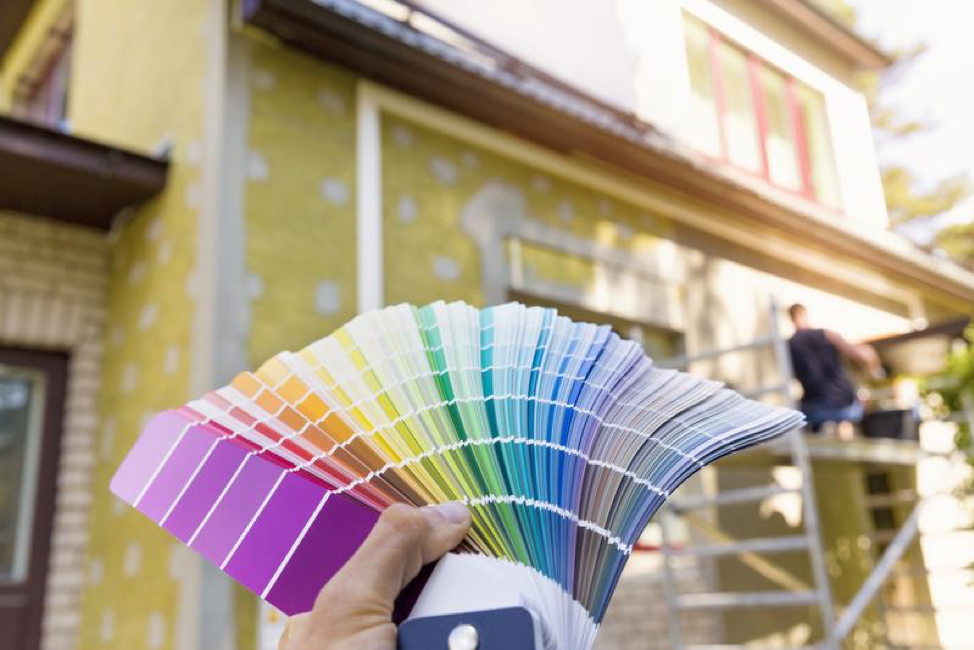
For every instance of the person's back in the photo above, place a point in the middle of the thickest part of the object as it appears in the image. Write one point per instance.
(816, 358)
(818, 368)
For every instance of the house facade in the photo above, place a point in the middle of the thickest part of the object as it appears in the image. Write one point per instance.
(667, 167)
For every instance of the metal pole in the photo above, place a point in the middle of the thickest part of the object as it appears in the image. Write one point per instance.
(799, 455)
(669, 583)
(901, 541)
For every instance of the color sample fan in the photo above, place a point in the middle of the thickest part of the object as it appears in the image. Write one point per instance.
(561, 437)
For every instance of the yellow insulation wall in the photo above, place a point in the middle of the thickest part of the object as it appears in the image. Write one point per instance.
(137, 82)
(429, 179)
(299, 199)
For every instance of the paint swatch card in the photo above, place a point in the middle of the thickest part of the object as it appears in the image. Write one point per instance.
(562, 438)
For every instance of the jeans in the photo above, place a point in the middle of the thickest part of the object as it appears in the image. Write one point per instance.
(818, 414)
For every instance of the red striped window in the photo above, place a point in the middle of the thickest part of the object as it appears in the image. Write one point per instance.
(749, 114)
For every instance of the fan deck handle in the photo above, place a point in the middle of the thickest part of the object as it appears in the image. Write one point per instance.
(510, 628)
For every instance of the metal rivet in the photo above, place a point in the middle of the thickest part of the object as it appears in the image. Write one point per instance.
(463, 637)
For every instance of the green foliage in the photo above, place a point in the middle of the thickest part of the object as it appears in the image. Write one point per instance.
(958, 242)
(957, 394)
(907, 200)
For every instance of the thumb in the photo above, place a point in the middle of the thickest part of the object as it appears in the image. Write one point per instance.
(402, 541)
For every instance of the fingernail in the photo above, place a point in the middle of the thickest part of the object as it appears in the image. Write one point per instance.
(453, 511)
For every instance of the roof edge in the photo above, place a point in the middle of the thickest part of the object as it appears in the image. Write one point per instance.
(815, 20)
(393, 53)
(94, 181)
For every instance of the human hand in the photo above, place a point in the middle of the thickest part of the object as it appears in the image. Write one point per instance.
(354, 609)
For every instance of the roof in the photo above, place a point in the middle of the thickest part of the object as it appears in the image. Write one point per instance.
(816, 22)
(477, 80)
(951, 329)
(52, 174)
(13, 13)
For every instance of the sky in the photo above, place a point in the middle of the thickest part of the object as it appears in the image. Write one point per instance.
(939, 87)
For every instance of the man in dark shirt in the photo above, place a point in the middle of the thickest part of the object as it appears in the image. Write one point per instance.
(816, 357)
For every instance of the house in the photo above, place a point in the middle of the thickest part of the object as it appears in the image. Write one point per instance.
(187, 187)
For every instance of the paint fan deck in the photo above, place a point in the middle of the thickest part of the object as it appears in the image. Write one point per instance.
(562, 438)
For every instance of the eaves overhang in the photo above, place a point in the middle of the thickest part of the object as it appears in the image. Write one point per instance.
(814, 21)
(475, 79)
(52, 174)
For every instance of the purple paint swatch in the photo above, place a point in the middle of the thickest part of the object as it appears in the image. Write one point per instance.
(182, 462)
(338, 529)
(273, 532)
(147, 454)
(238, 506)
(204, 489)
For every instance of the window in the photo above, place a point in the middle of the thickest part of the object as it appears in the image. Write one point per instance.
(41, 93)
(756, 118)
(738, 119)
(31, 401)
(703, 105)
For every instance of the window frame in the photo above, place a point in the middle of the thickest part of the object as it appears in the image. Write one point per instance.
(755, 65)
(42, 88)
(22, 599)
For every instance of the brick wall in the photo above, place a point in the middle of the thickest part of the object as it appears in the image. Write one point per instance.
(52, 296)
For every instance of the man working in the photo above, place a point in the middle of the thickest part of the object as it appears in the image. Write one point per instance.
(816, 357)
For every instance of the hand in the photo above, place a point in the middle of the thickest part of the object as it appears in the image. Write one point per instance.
(354, 610)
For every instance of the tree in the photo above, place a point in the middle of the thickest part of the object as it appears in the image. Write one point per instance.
(907, 201)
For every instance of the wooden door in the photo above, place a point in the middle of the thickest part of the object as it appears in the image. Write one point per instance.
(31, 409)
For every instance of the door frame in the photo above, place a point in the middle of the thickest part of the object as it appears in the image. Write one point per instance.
(54, 366)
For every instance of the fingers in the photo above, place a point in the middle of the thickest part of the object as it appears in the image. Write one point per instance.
(402, 541)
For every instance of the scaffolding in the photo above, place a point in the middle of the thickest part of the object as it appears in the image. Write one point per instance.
(799, 449)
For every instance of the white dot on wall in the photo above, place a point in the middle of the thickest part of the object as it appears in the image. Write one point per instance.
(154, 231)
(148, 315)
(194, 152)
(470, 159)
(137, 272)
(155, 630)
(566, 212)
(129, 378)
(334, 191)
(328, 298)
(605, 207)
(117, 336)
(446, 268)
(407, 209)
(132, 561)
(253, 286)
(171, 363)
(624, 230)
(118, 506)
(331, 101)
(256, 166)
(194, 193)
(106, 627)
(541, 183)
(403, 136)
(262, 79)
(192, 285)
(165, 252)
(108, 432)
(443, 170)
(96, 571)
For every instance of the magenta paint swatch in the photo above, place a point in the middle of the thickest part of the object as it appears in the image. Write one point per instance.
(185, 469)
